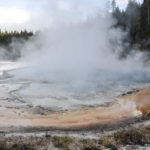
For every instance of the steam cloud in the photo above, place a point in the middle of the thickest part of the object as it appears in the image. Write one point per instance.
(79, 46)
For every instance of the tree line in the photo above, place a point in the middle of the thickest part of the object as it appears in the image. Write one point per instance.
(135, 19)
(6, 37)
(11, 43)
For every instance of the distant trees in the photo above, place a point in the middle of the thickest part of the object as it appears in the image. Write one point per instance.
(7, 37)
(136, 20)
(11, 43)
(132, 14)
(145, 19)
(113, 5)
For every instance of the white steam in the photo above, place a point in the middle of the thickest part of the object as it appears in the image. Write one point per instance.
(77, 47)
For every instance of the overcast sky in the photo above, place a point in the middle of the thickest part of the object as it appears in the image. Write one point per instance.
(17, 14)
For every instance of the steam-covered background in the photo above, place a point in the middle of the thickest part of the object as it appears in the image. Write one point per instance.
(76, 56)
(79, 41)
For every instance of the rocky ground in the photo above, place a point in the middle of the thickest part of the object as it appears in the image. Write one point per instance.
(130, 138)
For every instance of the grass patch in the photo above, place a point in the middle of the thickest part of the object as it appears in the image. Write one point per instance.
(84, 141)
(107, 141)
(27, 147)
(61, 141)
(130, 137)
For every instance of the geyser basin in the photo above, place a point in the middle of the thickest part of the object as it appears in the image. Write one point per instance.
(55, 94)
(64, 104)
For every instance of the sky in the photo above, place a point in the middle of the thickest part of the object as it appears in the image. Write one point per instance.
(18, 14)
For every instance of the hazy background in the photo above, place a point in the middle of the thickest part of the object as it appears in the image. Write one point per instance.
(76, 42)
(38, 14)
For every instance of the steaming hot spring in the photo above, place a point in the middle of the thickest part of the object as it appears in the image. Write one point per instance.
(64, 104)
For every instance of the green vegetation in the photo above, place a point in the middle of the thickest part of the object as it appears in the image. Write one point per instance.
(62, 141)
(135, 19)
(7, 37)
(11, 43)
(133, 137)
(84, 141)
(108, 142)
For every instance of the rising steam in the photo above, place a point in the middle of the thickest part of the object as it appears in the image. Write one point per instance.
(79, 48)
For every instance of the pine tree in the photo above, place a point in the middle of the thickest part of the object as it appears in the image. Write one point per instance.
(113, 4)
